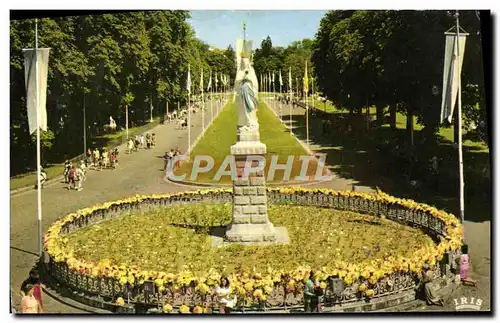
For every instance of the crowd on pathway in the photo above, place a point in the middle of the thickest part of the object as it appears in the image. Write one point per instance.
(102, 158)
(141, 142)
(169, 155)
(75, 173)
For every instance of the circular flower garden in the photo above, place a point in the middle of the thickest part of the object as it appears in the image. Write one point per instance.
(156, 250)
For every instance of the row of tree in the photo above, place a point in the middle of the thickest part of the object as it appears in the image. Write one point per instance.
(392, 60)
(395, 59)
(106, 62)
(269, 59)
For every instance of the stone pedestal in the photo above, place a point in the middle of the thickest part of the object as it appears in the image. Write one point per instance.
(250, 223)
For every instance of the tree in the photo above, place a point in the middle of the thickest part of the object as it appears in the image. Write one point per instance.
(386, 58)
(134, 58)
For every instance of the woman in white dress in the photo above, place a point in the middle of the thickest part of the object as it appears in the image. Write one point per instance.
(226, 301)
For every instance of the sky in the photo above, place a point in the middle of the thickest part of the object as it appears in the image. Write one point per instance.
(221, 28)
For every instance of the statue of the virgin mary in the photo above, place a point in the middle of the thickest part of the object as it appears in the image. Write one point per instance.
(246, 89)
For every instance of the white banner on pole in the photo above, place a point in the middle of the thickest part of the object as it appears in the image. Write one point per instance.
(31, 95)
(452, 71)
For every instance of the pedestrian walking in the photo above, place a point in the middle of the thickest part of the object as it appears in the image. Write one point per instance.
(96, 157)
(130, 146)
(67, 167)
(463, 265)
(79, 177)
(153, 139)
(72, 177)
(30, 304)
(88, 160)
(137, 143)
(84, 169)
(143, 142)
(34, 280)
(43, 176)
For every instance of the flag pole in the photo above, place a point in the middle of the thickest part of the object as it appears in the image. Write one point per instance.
(281, 97)
(38, 150)
(126, 120)
(265, 86)
(202, 101)
(307, 121)
(273, 96)
(151, 109)
(307, 107)
(312, 92)
(211, 97)
(189, 108)
(268, 84)
(291, 97)
(459, 112)
(84, 125)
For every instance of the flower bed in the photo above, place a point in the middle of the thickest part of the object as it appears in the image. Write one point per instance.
(393, 275)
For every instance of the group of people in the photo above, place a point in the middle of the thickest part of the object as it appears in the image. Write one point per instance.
(312, 295)
(169, 155)
(31, 292)
(141, 142)
(99, 159)
(75, 175)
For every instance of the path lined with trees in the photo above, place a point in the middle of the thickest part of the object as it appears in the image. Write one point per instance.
(104, 63)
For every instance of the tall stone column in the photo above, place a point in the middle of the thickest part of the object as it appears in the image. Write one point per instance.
(250, 221)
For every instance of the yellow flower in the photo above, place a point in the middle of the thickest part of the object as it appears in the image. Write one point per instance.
(167, 308)
(362, 287)
(322, 285)
(184, 309)
(123, 280)
(372, 280)
(120, 301)
(202, 288)
(369, 292)
(249, 286)
(257, 293)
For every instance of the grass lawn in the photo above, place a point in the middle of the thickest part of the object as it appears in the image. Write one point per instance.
(107, 140)
(29, 179)
(222, 135)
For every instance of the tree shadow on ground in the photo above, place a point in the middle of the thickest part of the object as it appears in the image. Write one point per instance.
(379, 158)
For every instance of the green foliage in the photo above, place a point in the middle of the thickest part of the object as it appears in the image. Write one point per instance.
(269, 59)
(169, 238)
(106, 61)
(395, 58)
(46, 138)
